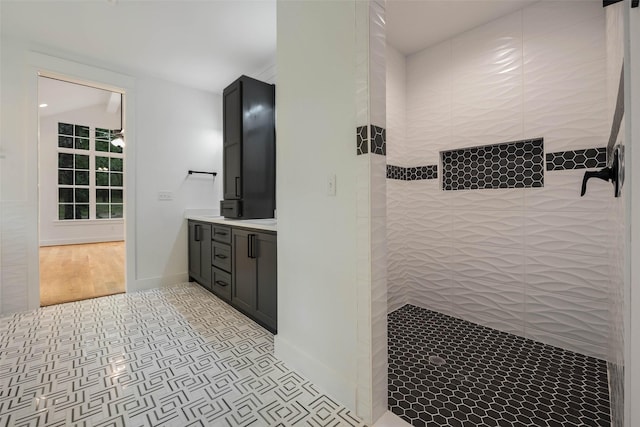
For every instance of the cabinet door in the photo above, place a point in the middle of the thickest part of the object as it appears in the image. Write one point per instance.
(243, 277)
(194, 250)
(232, 141)
(205, 255)
(265, 253)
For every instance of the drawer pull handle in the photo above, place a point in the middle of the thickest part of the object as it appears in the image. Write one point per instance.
(221, 256)
(221, 283)
(221, 233)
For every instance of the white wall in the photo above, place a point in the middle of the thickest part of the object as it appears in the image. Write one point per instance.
(53, 231)
(175, 129)
(178, 129)
(316, 232)
(527, 261)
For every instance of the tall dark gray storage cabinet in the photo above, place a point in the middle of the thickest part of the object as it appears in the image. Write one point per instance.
(249, 150)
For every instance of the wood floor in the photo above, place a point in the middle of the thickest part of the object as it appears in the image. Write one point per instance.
(77, 272)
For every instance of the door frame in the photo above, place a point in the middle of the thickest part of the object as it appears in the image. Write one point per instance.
(632, 266)
(48, 66)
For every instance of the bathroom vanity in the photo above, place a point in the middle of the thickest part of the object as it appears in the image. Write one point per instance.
(236, 260)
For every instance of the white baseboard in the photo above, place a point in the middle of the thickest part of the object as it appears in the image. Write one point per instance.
(81, 240)
(157, 282)
(331, 382)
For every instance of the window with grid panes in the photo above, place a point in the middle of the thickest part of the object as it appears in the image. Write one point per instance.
(90, 173)
(109, 169)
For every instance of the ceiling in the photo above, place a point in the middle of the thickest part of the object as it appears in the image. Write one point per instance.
(208, 44)
(64, 96)
(201, 44)
(413, 25)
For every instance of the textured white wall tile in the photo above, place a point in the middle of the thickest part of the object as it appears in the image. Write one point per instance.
(489, 122)
(378, 251)
(430, 295)
(507, 199)
(362, 62)
(509, 326)
(584, 233)
(545, 17)
(503, 302)
(377, 63)
(396, 106)
(580, 319)
(378, 193)
(426, 194)
(488, 263)
(363, 246)
(575, 276)
(430, 69)
(495, 228)
(561, 192)
(566, 343)
(487, 84)
(363, 185)
(567, 105)
(438, 230)
(583, 43)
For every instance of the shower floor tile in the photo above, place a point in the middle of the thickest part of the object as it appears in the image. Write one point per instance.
(176, 356)
(445, 371)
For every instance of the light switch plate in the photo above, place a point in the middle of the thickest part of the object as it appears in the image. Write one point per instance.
(165, 196)
(331, 185)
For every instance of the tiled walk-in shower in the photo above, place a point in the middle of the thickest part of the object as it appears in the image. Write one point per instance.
(444, 371)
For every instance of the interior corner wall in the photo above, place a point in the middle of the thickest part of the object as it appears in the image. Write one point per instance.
(53, 231)
(523, 260)
(616, 219)
(397, 225)
(316, 127)
(176, 129)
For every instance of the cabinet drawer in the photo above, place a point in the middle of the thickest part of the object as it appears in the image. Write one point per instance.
(221, 256)
(222, 234)
(221, 284)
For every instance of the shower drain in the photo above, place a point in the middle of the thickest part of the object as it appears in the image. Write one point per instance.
(436, 360)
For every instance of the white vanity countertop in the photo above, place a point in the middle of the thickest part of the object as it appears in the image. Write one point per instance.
(268, 224)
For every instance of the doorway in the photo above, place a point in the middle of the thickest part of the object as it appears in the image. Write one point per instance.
(81, 191)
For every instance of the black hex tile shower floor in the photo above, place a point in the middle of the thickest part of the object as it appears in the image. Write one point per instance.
(489, 377)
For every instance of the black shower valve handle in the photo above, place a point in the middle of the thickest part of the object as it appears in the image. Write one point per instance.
(605, 174)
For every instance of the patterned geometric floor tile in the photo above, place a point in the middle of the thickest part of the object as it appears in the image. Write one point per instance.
(445, 371)
(176, 356)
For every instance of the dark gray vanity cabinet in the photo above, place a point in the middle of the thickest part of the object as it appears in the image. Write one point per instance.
(200, 253)
(249, 150)
(239, 265)
(254, 275)
(221, 261)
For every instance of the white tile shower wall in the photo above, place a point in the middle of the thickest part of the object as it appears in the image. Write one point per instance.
(371, 247)
(616, 221)
(526, 261)
(396, 128)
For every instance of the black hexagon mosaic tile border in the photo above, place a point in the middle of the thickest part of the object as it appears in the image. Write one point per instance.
(362, 140)
(577, 159)
(413, 173)
(445, 371)
(378, 140)
(517, 164)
